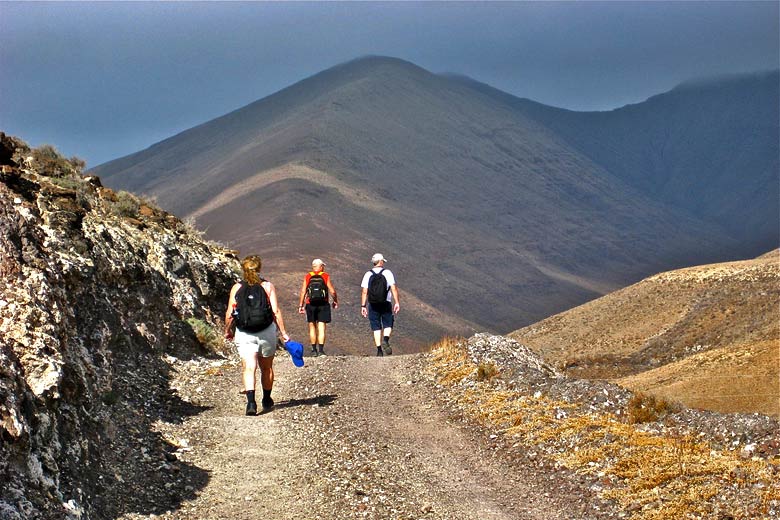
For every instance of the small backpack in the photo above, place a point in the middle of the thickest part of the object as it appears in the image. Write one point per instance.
(253, 311)
(317, 290)
(377, 288)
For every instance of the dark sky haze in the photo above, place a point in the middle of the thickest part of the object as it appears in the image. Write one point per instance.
(101, 80)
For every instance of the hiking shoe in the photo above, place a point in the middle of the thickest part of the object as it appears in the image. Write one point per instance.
(379, 351)
(322, 350)
(268, 404)
(314, 352)
(251, 408)
(386, 348)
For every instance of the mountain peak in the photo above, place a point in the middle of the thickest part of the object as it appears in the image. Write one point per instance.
(372, 60)
(370, 65)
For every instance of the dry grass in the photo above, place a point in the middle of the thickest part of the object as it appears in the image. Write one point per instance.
(643, 408)
(739, 378)
(486, 371)
(707, 336)
(655, 477)
(452, 363)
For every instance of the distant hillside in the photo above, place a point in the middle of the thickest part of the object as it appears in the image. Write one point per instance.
(490, 218)
(709, 147)
(708, 336)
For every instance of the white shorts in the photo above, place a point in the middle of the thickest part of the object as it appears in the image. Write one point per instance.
(250, 343)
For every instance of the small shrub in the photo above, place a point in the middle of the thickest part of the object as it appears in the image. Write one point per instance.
(190, 227)
(68, 183)
(150, 201)
(126, 205)
(486, 371)
(644, 408)
(110, 398)
(77, 185)
(48, 161)
(207, 336)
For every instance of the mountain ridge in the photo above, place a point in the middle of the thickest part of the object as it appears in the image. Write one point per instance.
(356, 151)
(675, 174)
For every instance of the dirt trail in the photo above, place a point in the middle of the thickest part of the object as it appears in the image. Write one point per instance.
(354, 437)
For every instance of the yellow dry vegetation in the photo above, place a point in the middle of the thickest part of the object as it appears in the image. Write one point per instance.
(655, 477)
(730, 379)
(707, 336)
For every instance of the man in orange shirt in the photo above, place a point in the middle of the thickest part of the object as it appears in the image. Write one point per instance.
(316, 291)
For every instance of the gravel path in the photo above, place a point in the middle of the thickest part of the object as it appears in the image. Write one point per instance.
(354, 437)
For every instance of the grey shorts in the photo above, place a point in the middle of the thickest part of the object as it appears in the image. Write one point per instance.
(250, 343)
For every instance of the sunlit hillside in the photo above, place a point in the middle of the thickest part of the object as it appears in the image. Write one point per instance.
(708, 336)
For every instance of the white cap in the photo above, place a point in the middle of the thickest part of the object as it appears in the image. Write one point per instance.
(317, 261)
(378, 258)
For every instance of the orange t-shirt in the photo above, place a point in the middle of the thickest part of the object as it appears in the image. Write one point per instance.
(325, 277)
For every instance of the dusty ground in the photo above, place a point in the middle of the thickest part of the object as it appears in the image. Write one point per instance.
(354, 437)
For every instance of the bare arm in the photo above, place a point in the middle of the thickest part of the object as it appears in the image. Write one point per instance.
(229, 311)
(363, 298)
(302, 298)
(271, 290)
(332, 292)
(396, 302)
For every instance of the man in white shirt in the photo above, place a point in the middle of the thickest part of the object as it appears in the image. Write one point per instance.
(379, 303)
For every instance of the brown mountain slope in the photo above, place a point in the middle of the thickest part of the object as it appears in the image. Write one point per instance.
(708, 336)
(710, 146)
(486, 215)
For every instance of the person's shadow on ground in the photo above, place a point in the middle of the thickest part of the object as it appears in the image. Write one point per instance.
(319, 400)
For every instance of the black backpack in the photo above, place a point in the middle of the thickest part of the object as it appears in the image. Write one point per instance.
(317, 290)
(377, 288)
(253, 310)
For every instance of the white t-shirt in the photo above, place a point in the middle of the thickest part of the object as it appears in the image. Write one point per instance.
(387, 273)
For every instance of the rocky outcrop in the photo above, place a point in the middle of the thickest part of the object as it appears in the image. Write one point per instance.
(97, 290)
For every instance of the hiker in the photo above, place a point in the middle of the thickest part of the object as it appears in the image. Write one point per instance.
(379, 302)
(316, 291)
(253, 310)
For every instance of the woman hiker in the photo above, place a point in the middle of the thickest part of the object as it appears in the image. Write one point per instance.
(253, 309)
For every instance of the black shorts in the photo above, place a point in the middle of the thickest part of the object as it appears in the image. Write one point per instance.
(315, 313)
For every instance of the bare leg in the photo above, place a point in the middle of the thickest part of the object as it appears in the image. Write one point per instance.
(250, 367)
(267, 372)
(313, 333)
(320, 332)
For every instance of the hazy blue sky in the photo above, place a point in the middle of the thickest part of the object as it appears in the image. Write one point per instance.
(101, 80)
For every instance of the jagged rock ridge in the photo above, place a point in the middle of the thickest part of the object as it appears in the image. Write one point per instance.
(96, 291)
